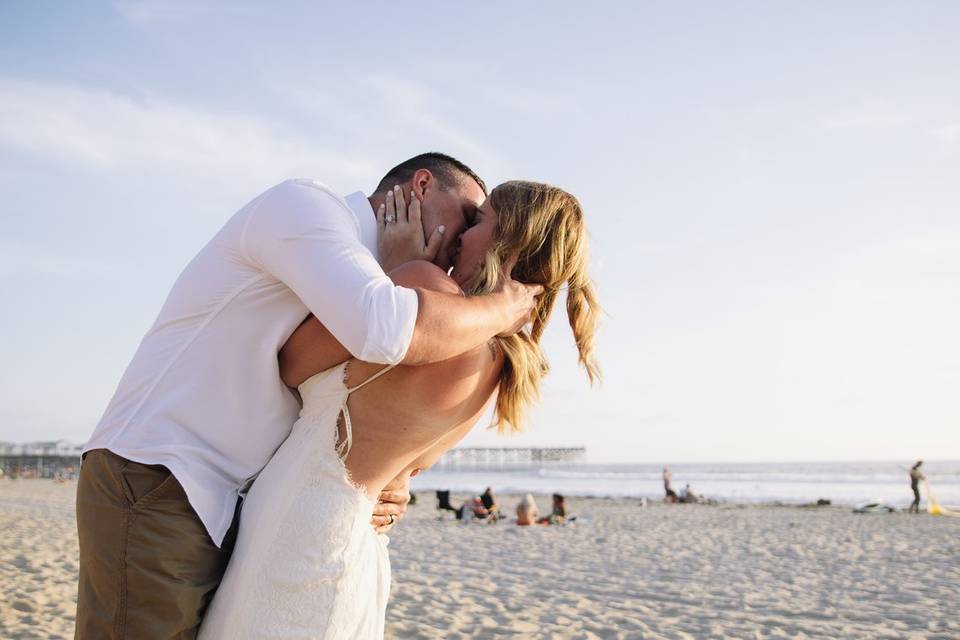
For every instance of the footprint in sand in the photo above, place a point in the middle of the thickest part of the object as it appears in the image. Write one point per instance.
(23, 605)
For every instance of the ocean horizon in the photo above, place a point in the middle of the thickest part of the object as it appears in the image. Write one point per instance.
(845, 483)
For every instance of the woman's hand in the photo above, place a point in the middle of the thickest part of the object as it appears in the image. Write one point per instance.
(400, 233)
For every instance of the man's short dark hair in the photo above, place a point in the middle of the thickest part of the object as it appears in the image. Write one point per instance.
(449, 171)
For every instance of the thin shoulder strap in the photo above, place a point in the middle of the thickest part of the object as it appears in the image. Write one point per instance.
(347, 443)
(371, 378)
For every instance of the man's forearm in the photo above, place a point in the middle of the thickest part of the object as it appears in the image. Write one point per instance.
(450, 324)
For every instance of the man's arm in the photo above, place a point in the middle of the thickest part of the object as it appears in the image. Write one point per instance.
(313, 347)
(451, 324)
(302, 235)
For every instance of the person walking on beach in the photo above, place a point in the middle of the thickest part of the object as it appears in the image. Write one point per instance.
(202, 408)
(916, 475)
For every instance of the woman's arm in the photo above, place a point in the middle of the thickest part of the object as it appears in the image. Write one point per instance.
(312, 348)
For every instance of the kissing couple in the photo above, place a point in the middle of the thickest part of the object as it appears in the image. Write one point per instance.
(316, 354)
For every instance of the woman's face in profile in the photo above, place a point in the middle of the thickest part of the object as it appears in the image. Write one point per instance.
(472, 245)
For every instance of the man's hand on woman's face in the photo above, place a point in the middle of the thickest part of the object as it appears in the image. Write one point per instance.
(400, 232)
(392, 504)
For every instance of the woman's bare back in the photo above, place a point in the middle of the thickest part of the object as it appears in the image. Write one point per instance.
(408, 417)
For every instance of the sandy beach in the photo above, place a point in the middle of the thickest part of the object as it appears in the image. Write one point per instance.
(620, 571)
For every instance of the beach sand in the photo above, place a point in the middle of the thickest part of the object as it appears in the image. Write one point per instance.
(620, 571)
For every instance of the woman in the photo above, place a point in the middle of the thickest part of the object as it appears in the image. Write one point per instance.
(559, 513)
(527, 511)
(307, 562)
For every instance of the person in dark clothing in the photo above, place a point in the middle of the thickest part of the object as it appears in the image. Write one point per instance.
(915, 477)
(490, 504)
(559, 507)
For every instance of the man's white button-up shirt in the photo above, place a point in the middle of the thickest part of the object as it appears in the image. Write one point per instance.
(202, 395)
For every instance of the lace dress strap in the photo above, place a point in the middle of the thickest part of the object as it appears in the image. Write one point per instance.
(371, 378)
(344, 447)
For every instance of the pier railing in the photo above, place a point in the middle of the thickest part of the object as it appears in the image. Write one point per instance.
(50, 459)
(509, 457)
(39, 466)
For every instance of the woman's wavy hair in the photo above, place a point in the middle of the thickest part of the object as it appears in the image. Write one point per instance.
(542, 227)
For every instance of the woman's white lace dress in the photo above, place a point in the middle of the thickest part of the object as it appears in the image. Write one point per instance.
(307, 562)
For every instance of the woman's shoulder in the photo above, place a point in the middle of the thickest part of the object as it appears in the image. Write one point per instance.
(455, 381)
(426, 275)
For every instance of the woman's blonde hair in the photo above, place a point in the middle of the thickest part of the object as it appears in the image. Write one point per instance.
(542, 227)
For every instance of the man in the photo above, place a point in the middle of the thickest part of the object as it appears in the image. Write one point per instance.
(916, 475)
(201, 407)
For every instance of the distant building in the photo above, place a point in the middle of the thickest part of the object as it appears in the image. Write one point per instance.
(39, 459)
(49, 448)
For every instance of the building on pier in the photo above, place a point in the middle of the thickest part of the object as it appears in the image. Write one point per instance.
(509, 457)
(53, 459)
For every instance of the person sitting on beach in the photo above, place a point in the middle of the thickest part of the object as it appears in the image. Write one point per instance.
(490, 504)
(688, 496)
(670, 494)
(472, 509)
(559, 513)
(527, 511)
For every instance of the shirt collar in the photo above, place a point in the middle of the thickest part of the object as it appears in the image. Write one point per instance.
(360, 206)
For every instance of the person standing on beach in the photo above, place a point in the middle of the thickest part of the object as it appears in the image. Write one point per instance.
(916, 475)
(202, 407)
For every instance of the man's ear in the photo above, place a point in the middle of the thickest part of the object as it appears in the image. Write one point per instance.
(421, 181)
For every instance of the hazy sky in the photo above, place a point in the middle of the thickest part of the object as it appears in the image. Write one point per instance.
(772, 191)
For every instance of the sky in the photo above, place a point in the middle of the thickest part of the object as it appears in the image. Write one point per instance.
(771, 189)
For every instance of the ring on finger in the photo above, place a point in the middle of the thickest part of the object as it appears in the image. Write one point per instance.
(391, 218)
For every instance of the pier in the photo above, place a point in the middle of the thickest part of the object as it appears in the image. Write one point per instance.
(56, 459)
(509, 457)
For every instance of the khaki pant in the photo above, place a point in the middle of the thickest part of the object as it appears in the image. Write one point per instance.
(148, 568)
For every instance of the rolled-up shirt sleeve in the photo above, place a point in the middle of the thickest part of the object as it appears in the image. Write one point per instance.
(304, 236)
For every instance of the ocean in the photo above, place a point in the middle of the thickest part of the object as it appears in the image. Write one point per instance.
(843, 483)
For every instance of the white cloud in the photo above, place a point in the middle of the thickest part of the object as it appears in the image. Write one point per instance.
(392, 117)
(412, 108)
(884, 118)
(143, 12)
(530, 102)
(871, 118)
(103, 131)
(948, 133)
